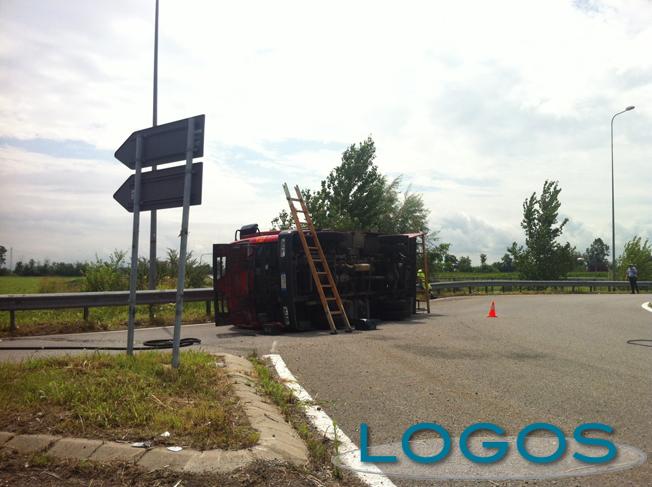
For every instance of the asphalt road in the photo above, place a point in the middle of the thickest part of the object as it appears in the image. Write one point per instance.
(562, 359)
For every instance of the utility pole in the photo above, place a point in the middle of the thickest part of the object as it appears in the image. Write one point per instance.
(152, 227)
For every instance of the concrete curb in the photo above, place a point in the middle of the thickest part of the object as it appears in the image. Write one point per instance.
(278, 440)
(370, 474)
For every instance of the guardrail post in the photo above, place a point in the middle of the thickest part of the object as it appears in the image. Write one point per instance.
(86, 313)
(12, 321)
(208, 308)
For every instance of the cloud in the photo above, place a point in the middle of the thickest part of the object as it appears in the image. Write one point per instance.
(74, 149)
(474, 103)
(473, 235)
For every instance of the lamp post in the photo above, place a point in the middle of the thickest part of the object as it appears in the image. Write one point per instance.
(613, 210)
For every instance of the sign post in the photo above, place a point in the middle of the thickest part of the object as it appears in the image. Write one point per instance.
(184, 243)
(161, 144)
(134, 248)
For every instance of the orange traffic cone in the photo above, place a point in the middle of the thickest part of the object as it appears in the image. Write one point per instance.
(492, 310)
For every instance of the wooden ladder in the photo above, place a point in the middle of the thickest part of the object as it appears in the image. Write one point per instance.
(321, 273)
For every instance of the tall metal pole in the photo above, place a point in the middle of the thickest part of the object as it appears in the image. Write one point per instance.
(613, 207)
(152, 227)
(184, 243)
(134, 248)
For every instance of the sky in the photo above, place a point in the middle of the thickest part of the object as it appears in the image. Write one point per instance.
(475, 104)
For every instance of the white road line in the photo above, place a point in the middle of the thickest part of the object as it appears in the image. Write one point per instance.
(326, 426)
(646, 307)
(273, 349)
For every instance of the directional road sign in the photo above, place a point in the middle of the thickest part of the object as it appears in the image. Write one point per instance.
(161, 189)
(163, 144)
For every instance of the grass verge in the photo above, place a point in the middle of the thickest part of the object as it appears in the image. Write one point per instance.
(50, 322)
(320, 448)
(117, 397)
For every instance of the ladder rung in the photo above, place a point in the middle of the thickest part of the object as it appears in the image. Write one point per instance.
(312, 248)
(326, 285)
(331, 299)
(336, 312)
(294, 199)
(322, 273)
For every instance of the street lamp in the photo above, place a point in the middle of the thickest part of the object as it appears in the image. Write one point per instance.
(613, 210)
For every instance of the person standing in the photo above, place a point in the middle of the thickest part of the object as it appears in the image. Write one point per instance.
(632, 275)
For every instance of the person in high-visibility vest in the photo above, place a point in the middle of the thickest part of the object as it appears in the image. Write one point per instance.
(421, 276)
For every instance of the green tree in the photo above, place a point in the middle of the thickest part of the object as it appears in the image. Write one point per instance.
(543, 257)
(506, 263)
(356, 196)
(484, 267)
(196, 272)
(407, 212)
(450, 263)
(638, 253)
(464, 264)
(596, 256)
(3, 253)
(437, 256)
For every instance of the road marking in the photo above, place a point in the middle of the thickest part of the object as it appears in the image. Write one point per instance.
(646, 306)
(326, 426)
(273, 349)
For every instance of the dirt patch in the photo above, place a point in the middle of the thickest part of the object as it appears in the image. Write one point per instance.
(28, 471)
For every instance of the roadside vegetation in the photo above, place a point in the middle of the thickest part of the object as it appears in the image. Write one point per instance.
(43, 322)
(320, 448)
(111, 274)
(543, 255)
(116, 397)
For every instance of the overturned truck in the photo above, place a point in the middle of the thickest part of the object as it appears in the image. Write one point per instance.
(262, 280)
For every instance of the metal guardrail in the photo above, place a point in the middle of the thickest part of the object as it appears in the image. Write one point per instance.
(26, 302)
(23, 302)
(509, 283)
(481, 277)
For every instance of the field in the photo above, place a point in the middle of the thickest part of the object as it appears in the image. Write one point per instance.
(30, 285)
(43, 322)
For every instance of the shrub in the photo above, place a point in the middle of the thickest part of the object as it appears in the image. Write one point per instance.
(109, 275)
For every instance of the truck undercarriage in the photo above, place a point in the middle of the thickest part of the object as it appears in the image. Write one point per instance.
(262, 280)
